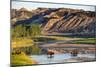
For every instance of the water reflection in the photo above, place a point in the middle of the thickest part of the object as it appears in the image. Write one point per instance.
(58, 58)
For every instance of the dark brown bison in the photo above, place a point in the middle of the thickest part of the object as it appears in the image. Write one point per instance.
(17, 52)
(50, 54)
(74, 52)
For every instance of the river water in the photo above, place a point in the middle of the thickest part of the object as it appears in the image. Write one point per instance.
(60, 58)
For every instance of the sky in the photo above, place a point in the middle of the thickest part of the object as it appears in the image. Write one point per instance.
(34, 5)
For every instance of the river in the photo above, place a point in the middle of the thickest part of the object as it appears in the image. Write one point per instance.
(61, 58)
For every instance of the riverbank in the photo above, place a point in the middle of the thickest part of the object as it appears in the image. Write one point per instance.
(21, 42)
(21, 59)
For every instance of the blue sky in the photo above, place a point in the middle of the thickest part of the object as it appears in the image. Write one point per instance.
(34, 5)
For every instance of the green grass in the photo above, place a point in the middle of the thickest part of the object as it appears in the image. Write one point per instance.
(21, 42)
(21, 59)
(85, 41)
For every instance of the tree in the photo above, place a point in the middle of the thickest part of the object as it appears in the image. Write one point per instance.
(36, 31)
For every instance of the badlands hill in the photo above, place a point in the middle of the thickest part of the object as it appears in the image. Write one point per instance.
(60, 20)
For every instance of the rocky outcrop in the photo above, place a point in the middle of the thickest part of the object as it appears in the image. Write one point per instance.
(21, 14)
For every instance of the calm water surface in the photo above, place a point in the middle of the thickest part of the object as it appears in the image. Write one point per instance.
(58, 58)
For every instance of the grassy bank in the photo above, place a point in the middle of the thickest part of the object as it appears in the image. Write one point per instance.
(21, 42)
(21, 59)
(26, 46)
(85, 41)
